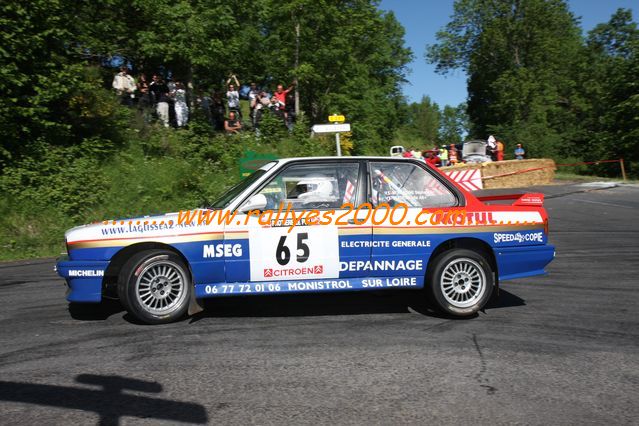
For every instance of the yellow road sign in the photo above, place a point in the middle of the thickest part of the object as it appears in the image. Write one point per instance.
(336, 118)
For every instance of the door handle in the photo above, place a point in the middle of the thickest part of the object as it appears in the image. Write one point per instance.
(351, 221)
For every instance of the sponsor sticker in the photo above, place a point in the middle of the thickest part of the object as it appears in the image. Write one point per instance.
(518, 237)
(382, 265)
(85, 273)
(309, 252)
(222, 250)
(297, 286)
(293, 272)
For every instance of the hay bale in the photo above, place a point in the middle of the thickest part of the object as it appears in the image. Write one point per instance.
(512, 173)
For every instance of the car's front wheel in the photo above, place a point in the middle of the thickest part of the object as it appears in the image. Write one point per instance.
(461, 282)
(155, 286)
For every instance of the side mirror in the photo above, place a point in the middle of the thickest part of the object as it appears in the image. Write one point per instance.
(256, 202)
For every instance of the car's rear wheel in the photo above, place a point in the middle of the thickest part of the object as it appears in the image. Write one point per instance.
(460, 282)
(155, 286)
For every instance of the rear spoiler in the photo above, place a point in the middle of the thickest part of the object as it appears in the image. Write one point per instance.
(530, 199)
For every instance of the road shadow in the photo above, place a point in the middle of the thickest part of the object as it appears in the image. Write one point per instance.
(300, 305)
(383, 302)
(106, 398)
(95, 311)
(305, 305)
(505, 300)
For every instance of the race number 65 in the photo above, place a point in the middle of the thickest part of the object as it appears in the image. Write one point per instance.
(283, 253)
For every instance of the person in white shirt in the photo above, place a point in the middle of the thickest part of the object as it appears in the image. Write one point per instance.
(253, 101)
(124, 86)
(233, 96)
(181, 107)
(492, 147)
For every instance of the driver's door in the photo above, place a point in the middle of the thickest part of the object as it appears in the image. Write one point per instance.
(278, 251)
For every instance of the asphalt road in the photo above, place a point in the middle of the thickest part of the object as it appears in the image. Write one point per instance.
(557, 349)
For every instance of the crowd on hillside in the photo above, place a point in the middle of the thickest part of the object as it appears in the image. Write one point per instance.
(170, 102)
(450, 155)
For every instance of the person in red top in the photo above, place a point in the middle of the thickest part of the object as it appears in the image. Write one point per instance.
(280, 94)
(431, 158)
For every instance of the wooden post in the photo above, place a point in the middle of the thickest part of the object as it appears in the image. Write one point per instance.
(623, 170)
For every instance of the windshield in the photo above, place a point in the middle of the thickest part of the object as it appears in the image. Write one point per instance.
(236, 190)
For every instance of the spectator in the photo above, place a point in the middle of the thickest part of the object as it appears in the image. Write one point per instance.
(124, 86)
(143, 90)
(233, 124)
(443, 156)
(204, 101)
(217, 111)
(452, 154)
(181, 107)
(431, 158)
(276, 107)
(161, 96)
(500, 150)
(172, 116)
(492, 147)
(280, 94)
(153, 89)
(290, 111)
(144, 99)
(261, 104)
(519, 152)
(233, 96)
(408, 153)
(170, 84)
(252, 95)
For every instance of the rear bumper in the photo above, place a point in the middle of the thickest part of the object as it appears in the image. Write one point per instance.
(83, 278)
(526, 261)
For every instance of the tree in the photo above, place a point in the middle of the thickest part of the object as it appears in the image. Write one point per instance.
(48, 89)
(348, 57)
(421, 122)
(610, 123)
(454, 124)
(351, 60)
(520, 57)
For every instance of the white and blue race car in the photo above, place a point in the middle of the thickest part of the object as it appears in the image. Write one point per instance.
(314, 225)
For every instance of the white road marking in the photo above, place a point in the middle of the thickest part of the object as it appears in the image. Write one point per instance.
(601, 202)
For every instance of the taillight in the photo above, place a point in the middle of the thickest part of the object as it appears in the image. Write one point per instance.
(546, 226)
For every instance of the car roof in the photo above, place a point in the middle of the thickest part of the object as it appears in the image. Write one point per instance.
(343, 158)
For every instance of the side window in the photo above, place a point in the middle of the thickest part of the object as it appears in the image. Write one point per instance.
(313, 186)
(407, 183)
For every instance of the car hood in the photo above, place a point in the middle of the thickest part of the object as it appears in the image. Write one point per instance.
(164, 225)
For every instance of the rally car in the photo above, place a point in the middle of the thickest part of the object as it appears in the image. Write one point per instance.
(304, 225)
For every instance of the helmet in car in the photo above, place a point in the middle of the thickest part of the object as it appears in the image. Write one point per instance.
(316, 189)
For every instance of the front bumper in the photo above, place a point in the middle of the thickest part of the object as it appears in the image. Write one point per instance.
(83, 278)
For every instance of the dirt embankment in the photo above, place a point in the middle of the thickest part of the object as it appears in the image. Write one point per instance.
(513, 173)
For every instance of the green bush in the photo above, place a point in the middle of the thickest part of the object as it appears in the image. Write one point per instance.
(158, 170)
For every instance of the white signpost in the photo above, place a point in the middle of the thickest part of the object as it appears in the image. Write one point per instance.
(331, 128)
(337, 127)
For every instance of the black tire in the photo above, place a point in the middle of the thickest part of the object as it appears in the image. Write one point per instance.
(151, 298)
(460, 282)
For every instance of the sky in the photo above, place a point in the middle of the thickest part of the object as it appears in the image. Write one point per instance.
(423, 18)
